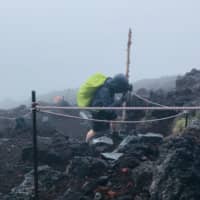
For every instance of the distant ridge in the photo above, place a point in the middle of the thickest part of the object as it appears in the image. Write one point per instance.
(166, 83)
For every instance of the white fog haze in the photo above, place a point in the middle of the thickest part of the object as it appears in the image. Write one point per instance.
(49, 45)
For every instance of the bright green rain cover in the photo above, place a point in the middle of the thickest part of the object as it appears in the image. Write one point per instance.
(88, 89)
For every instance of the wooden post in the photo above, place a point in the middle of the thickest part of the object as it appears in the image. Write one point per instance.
(127, 67)
(128, 62)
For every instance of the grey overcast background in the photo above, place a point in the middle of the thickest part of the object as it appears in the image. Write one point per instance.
(56, 44)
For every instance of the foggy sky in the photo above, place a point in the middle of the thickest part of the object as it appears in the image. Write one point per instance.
(56, 44)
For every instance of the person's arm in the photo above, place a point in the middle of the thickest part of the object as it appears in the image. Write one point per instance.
(104, 99)
(118, 103)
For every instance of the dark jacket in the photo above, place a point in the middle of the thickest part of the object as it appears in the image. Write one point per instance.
(104, 96)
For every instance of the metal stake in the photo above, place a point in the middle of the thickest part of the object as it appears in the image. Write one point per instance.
(35, 157)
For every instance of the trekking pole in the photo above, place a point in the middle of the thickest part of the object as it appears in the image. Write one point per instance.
(35, 157)
(127, 67)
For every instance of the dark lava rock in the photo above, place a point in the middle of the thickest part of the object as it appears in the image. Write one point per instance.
(102, 180)
(47, 181)
(89, 186)
(189, 81)
(86, 167)
(177, 172)
(141, 148)
(57, 150)
(142, 176)
(71, 195)
(47, 154)
(125, 197)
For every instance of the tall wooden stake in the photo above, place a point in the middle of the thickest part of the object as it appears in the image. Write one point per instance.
(127, 66)
(128, 53)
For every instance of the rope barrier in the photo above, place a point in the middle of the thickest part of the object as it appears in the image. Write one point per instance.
(121, 108)
(110, 121)
(148, 101)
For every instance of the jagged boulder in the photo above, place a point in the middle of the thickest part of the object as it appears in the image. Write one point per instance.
(142, 147)
(142, 176)
(189, 81)
(188, 88)
(86, 166)
(176, 175)
(47, 181)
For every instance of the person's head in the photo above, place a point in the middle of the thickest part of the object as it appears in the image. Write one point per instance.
(119, 83)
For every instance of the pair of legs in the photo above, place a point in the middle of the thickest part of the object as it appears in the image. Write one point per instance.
(100, 126)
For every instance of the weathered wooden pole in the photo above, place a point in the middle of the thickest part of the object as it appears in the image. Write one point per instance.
(127, 66)
(128, 62)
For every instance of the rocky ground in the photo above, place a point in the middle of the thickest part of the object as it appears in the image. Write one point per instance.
(150, 168)
(143, 166)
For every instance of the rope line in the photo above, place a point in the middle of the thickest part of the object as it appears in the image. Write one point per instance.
(121, 108)
(148, 101)
(108, 121)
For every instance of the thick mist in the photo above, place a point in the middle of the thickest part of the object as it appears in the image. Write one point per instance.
(49, 45)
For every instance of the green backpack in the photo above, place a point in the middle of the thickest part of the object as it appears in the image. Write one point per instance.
(88, 89)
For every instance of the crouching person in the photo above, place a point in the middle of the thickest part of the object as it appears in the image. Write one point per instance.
(103, 96)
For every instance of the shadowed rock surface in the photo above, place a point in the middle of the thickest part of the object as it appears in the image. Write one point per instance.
(150, 166)
(149, 169)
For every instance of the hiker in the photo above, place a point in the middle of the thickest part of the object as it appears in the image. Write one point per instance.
(104, 96)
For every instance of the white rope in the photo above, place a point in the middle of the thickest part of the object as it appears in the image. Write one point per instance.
(148, 101)
(108, 121)
(121, 108)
